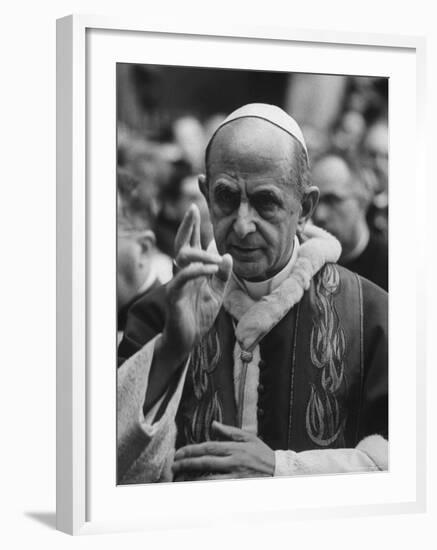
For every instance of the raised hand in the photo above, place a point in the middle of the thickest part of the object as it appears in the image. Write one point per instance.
(196, 293)
(188, 234)
(194, 297)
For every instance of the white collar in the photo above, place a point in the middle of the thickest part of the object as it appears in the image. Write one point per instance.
(257, 290)
(257, 317)
(261, 288)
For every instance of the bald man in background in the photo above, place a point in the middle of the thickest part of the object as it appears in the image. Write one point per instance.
(345, 196)
(261, 357)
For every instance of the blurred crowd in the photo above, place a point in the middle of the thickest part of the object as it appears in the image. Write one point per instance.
(158, 165)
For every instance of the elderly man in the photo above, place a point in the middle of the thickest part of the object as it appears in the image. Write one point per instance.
(141, 267)
(344, 200)
(261, 357)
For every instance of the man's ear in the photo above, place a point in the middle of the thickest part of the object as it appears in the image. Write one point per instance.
(147, 240)
(309, 202)
(203, 186)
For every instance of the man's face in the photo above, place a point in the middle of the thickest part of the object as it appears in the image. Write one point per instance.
(253, 205)
(339, 208)
(375, 149)
(133, 262)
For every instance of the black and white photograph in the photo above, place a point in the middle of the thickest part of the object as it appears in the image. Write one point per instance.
(218, 272)
(252, 274)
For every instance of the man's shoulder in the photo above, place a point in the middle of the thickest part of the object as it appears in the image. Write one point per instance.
(344, 275)
(354, 299)
(373, 299)
(340, 280)
(378, 244)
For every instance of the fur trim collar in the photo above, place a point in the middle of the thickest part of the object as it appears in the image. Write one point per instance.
(257, 318)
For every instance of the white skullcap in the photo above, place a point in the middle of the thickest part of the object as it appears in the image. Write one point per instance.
(270, 113)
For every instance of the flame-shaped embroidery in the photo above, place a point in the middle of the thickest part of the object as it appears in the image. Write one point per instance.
(204, 361)
(323, 419)
(327, 349)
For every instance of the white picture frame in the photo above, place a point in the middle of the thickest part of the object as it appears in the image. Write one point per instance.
(78, 425)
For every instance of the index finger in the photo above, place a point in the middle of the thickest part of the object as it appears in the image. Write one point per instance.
(195, 234)
(217, 448)
(232, 433)
(185, 230)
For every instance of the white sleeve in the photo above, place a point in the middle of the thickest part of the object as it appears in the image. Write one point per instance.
(370, 455)
(145, 448)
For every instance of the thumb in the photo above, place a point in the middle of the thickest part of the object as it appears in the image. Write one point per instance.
(230, 432)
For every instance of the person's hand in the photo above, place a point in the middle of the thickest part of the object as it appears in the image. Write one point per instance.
(240, 454)
(195, 294)
(188, 234)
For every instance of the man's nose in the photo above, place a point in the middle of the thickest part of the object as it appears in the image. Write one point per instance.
(244, 223)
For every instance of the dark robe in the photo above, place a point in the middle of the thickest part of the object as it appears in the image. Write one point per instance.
(372, 263)
(323, 370)
(124, 310)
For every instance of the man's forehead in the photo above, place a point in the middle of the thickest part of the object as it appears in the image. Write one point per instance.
(246, 137)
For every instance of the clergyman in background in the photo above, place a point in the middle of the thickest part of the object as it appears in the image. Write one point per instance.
(141, 267)
(346, 191)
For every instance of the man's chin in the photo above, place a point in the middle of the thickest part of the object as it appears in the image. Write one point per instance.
(250, 271)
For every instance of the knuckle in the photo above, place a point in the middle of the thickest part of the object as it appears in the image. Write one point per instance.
(187, 452)
(190, 270)
(241, 456)
(208, 448)
(235, 460)
(181, 258)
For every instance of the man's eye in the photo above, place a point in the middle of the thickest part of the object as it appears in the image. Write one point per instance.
(265, 204)
(227, 199)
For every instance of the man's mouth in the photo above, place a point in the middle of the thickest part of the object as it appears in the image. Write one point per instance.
(243, 250)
